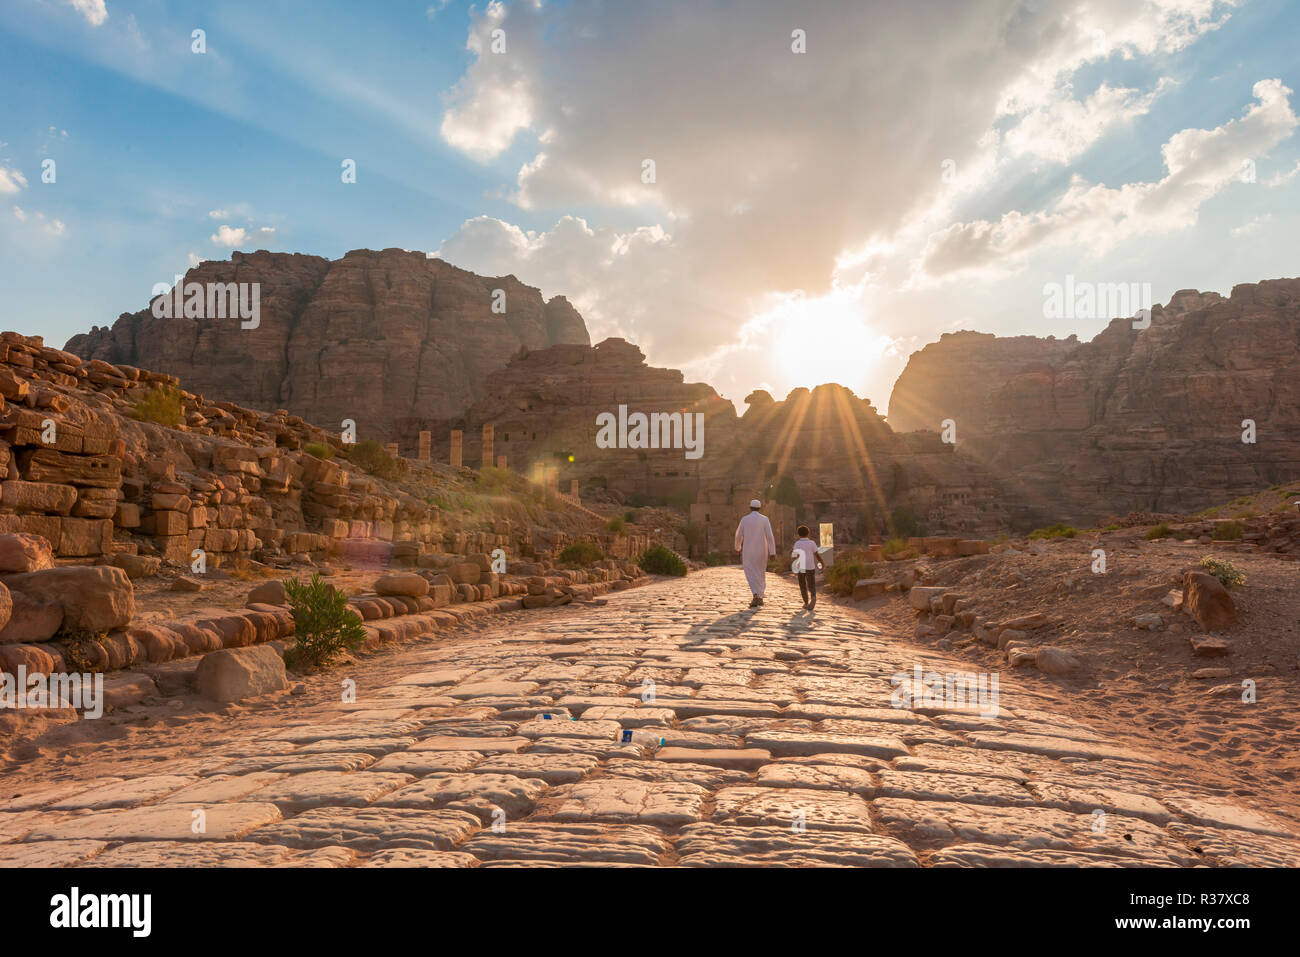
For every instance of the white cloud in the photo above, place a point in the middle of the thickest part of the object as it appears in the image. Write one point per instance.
(267, 230)
(1061, 129)
(1198, 163)
(193, 259)
(94, 11)
(493, 101)
(11, 180)
(1250, 227)
(229, 236)
(218, 214)
(47, 225)
(1281, 179)
(801, 175)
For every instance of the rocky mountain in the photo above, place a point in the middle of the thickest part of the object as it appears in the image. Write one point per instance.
(969, 365)
(846, 464)
(1137, 419)
(388, 339)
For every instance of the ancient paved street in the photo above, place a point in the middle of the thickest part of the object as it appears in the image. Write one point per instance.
(780, 747)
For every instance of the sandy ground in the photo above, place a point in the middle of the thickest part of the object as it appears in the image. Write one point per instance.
(1136, 684)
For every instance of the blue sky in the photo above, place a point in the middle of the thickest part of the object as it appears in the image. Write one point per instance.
(799, 229)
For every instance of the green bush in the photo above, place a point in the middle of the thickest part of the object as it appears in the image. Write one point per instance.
(581, 553)
(843, 575)
(1059, 530)
(894, 546)
(374, 458)
(1230, 532)
(658, 560)
(616, 525)
(904, 523)
(714, 559)
(1158, 531)
(319, 449)
(161, 406)
(1224, 571)
(323, 624)
(493, 479)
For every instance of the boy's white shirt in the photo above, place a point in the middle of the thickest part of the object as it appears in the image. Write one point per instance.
(810, 551)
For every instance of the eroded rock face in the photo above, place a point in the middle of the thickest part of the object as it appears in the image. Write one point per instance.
(329, 331)
(848, 466)
(958, 376)
(1135, 419)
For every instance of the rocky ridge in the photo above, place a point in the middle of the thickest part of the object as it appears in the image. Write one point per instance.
(328, 331)
(1137, 419)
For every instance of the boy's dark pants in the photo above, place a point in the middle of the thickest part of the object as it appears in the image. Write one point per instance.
(808, 587)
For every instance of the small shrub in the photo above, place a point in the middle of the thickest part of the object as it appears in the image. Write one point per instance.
(323, 624)
(493, 479)
(616, 525)
(842, 576)
(1158, 531)
(1230, 532)
(319, 449)
(894, 546)
(629, 517)
(714, 559)
(904, 523)
(1059, 530)
(581, 553)
(374, 458)
(1224, 571)
(658, 560)
(161, 406)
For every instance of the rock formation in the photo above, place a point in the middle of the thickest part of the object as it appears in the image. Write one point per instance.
(965, 367)
(1149, 419)
(110, 472)
(847, 465)
(382, 338)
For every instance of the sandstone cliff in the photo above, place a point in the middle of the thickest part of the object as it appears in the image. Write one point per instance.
(1133, 420)
(388, 339)
(849, 467)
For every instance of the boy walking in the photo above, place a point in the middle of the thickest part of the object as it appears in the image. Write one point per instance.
(807, 561)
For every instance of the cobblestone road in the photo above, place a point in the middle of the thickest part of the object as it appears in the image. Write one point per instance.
(780, 747)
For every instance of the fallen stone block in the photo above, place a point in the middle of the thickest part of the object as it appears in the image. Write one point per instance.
(233, 674)
(403, 584)
(94, 598)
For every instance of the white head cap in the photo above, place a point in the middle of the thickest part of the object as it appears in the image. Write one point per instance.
(755, 503)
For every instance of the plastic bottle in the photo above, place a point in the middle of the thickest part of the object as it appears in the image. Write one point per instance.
(646, 739)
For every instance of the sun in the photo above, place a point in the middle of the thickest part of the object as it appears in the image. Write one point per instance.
(824, 339)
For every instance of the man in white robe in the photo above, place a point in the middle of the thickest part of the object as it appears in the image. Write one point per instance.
(755, 542)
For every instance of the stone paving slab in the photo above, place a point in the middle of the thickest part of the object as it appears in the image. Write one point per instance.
(160, 822)
(49, 853)
(413, 857)
(813, 809)
(481, 794)
(326, 788)
(626, 801)
(711, 845)
(582, 843)
(372, 828)
(781, 747)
